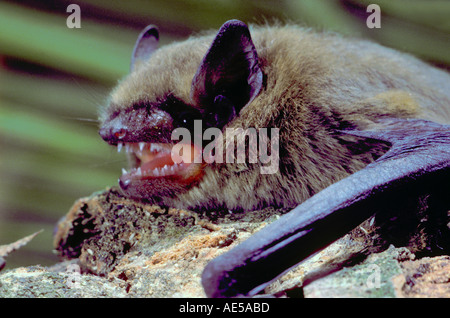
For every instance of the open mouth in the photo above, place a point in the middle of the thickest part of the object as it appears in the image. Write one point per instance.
(158, 160)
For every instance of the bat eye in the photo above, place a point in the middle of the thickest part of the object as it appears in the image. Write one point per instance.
(186, 119)
(224, 111)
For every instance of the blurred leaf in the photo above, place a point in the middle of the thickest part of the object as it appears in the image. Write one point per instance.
(328, 15)
(45, 133)
(415, 26)
(46, 39)
(430, 13)
(60, 99)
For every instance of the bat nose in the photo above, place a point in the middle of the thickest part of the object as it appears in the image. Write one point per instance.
(146, 125)
(113, 131)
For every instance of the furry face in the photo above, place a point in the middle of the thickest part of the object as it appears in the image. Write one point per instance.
(309, 86)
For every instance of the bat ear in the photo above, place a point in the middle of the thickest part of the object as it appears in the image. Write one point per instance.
(146, 44)
(229, 71)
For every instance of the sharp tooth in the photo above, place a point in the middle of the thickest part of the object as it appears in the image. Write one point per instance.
(119, 146)
(156, 172)
(156, 147)
(124, 171)
(139, 171)
(141, 146)
(165, 167)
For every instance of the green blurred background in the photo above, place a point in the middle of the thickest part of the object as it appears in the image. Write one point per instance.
(53, 79)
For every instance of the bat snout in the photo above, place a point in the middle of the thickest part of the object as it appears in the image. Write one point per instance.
(137, 125)
(113, 132)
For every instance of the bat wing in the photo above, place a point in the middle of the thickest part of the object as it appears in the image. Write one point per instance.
(419, 157)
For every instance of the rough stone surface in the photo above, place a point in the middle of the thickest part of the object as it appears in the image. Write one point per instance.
(111, 246)
(154, 251)
(371, 278)
(428, 276)
(62, 282)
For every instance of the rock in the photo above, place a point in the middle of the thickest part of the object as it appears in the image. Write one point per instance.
(371, 278)
(154, 251)
(392, 273)
(111, 246)
(62, 282)
(427, 277)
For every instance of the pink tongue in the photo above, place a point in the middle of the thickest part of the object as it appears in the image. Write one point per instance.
(159, 161)
(164, 158)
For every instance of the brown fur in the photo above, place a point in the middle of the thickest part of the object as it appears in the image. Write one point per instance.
(316, 84)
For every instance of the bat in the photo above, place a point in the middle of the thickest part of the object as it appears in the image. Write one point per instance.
(278, 116)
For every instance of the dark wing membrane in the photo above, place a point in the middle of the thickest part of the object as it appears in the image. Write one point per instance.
(418, 158)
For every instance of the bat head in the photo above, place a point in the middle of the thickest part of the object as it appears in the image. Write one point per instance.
(172, 88)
